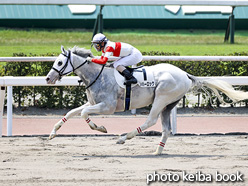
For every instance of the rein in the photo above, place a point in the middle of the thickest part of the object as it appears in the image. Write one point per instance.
(96, 78)
(61, 71)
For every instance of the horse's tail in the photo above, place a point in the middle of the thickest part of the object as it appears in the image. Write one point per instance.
(219, 85)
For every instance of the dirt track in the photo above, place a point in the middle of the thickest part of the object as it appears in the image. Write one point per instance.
(97, 161)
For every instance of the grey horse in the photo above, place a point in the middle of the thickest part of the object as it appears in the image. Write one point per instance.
(105, 96)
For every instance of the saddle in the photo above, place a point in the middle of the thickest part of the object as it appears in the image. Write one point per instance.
(144, 76)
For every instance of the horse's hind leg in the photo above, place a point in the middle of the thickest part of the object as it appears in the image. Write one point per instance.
(156, 109)
(166, 126)
(70, 114)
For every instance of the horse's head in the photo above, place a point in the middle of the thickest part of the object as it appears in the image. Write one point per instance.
(62, 66)
(67, 62)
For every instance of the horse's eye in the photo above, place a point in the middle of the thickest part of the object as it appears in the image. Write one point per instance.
(60, 63)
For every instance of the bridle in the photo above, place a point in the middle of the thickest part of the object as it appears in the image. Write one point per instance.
(62, 70)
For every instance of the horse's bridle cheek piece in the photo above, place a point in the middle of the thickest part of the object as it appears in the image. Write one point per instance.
(61, 71)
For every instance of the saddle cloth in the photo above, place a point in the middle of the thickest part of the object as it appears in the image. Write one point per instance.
(143, 75)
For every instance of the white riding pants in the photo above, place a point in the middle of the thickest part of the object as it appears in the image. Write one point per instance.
(134, 58)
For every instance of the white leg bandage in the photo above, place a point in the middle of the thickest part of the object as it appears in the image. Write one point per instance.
(91, 124)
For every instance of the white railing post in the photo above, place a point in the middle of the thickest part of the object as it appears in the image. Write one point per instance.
(2, 96)
(9, 110)
(174, 120)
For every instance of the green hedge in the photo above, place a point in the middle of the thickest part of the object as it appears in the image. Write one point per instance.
(208, 68)
(70, 97)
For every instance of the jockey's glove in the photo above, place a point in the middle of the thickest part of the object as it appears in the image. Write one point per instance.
(89, 59)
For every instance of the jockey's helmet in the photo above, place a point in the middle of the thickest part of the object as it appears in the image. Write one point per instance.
(99, 41)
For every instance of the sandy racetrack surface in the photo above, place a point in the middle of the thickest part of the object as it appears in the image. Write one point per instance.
(98, 160)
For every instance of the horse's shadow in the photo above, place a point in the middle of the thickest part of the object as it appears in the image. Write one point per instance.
(190, 156)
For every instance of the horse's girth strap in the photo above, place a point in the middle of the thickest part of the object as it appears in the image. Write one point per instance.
(144, 74)
(128, 97)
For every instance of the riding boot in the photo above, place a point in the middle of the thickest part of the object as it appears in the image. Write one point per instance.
(130, 79)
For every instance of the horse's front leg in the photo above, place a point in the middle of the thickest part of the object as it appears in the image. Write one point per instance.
(100, 108)
(70, 114)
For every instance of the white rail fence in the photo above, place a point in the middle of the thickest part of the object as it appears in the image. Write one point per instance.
(145, 58)
(10, 81)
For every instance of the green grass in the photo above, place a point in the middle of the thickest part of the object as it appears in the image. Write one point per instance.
(185, 42)
(197, 49)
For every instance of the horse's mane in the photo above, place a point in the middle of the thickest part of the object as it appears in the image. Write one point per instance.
(81, 52)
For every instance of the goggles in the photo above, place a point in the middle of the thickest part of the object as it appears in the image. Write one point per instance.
(97, 46)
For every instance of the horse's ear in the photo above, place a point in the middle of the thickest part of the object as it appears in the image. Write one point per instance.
(63, 49)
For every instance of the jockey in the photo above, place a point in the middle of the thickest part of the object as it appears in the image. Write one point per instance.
(127, 53)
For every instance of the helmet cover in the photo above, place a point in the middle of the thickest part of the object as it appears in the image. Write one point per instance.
(97, 41)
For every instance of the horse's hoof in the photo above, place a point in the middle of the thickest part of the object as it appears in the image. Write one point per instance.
(103, 129)
(52, 136)
(121, 140)
(157, 153)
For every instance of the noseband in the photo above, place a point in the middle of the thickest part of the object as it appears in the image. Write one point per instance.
(62, 70)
